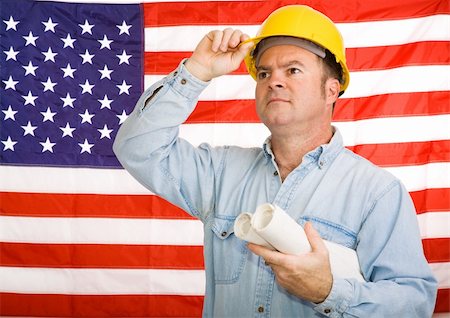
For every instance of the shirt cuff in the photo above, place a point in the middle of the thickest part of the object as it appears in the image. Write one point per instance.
(186, 84)
(338, 300)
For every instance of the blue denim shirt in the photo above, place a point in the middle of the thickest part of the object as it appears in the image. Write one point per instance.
(349, 201)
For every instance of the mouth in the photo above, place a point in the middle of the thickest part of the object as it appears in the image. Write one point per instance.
(277, 100)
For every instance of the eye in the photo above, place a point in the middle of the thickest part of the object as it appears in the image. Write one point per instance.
(294, 70)
(262, 75)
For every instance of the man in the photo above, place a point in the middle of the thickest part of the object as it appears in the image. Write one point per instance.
(298, 62)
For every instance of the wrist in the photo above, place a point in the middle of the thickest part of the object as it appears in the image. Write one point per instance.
(198, 70)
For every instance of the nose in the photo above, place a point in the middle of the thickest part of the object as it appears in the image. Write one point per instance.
(277, 80)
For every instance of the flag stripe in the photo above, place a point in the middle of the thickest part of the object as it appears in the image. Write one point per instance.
(443, 301)
(41, 305)
(145, 206)
(431, 200)
(386, 105)
(88, 205)
(437, 249)
(434, 224)
(139, 256)
(60, 230)
(415, 178)
(380, 57)
(102, 256)
(104, 281)
(364, 83)
(254, 12)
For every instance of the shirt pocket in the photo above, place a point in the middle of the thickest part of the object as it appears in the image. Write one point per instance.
(332, 231)
(229, 252)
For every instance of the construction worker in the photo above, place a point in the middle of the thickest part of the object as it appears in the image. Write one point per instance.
(298, 62)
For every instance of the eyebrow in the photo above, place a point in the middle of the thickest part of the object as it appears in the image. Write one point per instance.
(285, 65)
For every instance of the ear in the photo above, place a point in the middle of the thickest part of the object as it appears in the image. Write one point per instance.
(332, 88)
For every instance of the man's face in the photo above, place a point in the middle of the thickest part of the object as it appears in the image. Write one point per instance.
(289, 88)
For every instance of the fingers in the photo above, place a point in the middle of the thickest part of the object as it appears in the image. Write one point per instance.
(270, 257)
(316, 242)
(225, 40)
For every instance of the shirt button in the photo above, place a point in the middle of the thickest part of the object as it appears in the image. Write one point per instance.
(260, 309)
(183, 81)
(224, 234)
(275, 173)
(327, 310)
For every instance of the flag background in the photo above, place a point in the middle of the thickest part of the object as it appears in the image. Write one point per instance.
(79, 237)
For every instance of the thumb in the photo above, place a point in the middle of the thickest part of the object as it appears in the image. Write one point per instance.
(316, 242)
(243, 48)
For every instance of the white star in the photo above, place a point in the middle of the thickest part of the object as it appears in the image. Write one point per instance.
(49, 25)
(105, 43)
(67, 131)
(86, 146)
(28, 129)
(29, 99)
(124, 28)
(106, 103)
(11, 54)
(49, 85)
(68, 70)
(68, 41)
(122, 117)
(47, 145)
(9, 113)
(30, 69)
(87, 87)
(87, 57)
(124, 88)
(48, 115)
(9, 144)
(11, 24)
(86, 27)
(106, 73)
(30, 39)
(124, 58)
(86, 117)
(10, 83)
(49, 55)
(68, 101)
(105, 132)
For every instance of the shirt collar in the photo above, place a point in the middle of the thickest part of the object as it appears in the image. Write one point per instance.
(322, 155)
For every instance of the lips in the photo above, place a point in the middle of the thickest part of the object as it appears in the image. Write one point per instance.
(277, 99)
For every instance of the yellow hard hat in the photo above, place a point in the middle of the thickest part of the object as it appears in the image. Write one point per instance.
(306, 23)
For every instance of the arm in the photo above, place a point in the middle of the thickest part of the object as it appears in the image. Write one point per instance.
(399, 280)
(147, 144)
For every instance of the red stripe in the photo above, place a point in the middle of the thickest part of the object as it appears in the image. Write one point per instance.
(431, 200)
(254, 12)
(101, 256)
(359, 59)
(88, 205)
(443, 300)
(437, 250)
(408, 153)
(380, 106)
(100, 306)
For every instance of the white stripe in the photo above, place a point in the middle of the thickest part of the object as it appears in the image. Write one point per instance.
(102, 281)
(434, 224)
(376, 33)
(429, 176)
(100, 231)
(30, 179)
(395, 130)
(68, 180)
(442, 273)
(407, 79)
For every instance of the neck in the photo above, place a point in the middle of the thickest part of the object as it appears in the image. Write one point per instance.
(290, 149)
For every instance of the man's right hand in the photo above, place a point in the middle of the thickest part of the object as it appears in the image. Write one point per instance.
(218, 53)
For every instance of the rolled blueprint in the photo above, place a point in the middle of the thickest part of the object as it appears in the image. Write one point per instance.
(243, 229)
(273, 226)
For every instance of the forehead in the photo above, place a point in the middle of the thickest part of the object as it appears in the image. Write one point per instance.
(282, 54)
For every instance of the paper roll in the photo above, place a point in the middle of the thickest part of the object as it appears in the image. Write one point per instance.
(243, 229)
(272, 226)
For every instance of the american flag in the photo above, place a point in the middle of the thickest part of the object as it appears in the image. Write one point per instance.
(80, 237)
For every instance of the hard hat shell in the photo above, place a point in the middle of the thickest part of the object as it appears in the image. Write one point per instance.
(302, 22)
